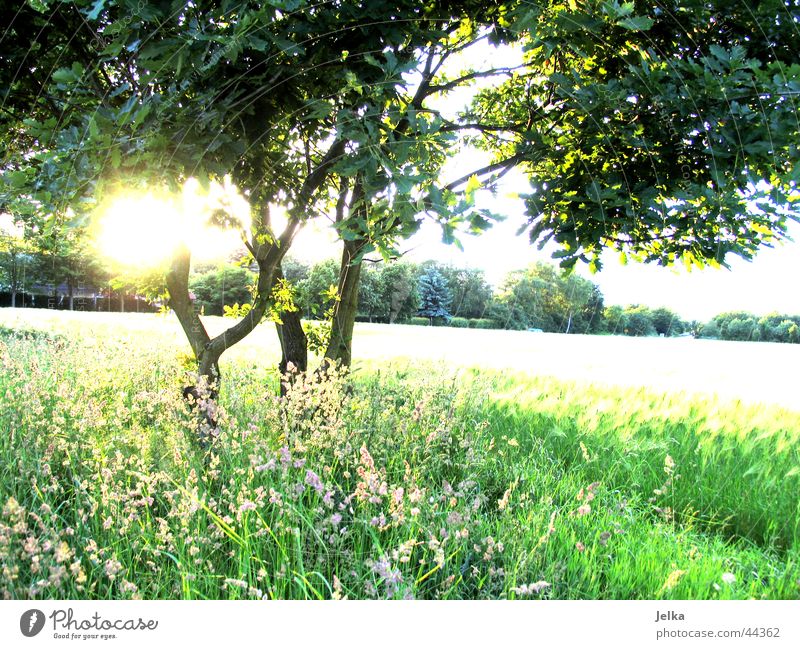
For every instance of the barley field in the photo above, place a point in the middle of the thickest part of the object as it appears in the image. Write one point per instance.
(450, 464)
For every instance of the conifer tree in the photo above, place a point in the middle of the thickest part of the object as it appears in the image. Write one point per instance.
(434, 296)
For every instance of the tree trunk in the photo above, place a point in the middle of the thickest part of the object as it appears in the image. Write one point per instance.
(14, 280)
(340, 346)
(71, 298)
(294, 348)
(294, 344)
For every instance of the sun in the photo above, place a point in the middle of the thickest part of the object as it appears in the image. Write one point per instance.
(145, 229)
(140, 229)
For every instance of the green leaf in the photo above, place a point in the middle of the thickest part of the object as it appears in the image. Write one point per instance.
(473, 185)
(636, 23)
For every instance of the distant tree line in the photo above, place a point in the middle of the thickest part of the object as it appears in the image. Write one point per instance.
(540, 297)
(39, 272)
(740, 325)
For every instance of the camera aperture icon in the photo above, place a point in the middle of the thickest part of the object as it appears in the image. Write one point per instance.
(31, 622)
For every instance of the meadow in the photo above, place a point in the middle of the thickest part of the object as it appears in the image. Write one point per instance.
(450, 464)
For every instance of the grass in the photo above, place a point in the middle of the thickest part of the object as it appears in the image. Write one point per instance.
(403, 480)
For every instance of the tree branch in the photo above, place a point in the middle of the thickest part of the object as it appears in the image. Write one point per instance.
(270, 262)
(505, 165)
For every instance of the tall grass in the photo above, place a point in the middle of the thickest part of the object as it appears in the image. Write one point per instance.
(390, 483)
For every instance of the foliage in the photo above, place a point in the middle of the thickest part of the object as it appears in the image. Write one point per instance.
(471, 293)
(666, 322)
(740, 325)
(482, 323)
(424, 322)
(434, 296)
(545, 298)
(315, 292)
(664, 134)
(221, 286)
(401, 483)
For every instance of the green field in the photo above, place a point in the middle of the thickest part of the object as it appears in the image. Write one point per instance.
(451, 464)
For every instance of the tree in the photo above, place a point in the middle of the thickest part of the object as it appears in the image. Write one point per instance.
(371, 305)
(741, 329)
(667, 322)
(401, 295)
(129, 91)
(647, 131)
(434, 296)
(15, 257)
(639, 321)
(470, 291)
(627, 117)
(223, 286)
(615, 319)
(547, 298)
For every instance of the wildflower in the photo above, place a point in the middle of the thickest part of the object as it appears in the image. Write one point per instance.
(384, 569)
(728, 577)
(531, 589)
(583, 510)
(57, 573)
(108, 523)
(12, 508)
(503, 502)
(454, 518)
(239, 583)
(127, 587)
(267, 466)
(275, 497)
(673, 579)
(313, 480)
(337, 589)
(513, 442)
(336, 519)
(62, 552)
(580, 547)
(247, 505)
(604, 538)
(112, 568)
